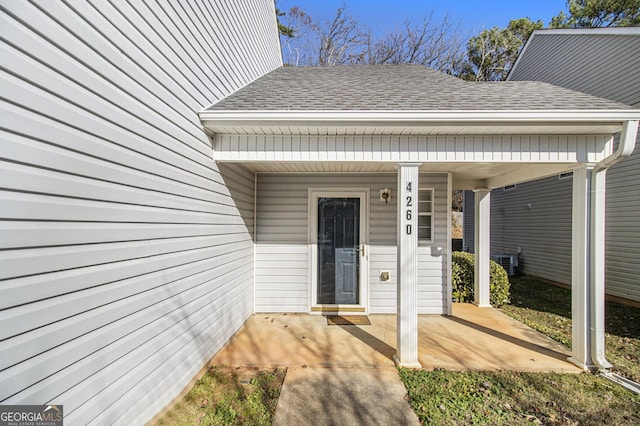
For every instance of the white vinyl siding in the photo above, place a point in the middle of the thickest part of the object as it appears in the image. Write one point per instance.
(126, 255)
(282, 253)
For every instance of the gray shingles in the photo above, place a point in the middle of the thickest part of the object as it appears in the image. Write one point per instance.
(404, 87)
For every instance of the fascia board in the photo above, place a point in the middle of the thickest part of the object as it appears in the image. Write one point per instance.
(404, 118)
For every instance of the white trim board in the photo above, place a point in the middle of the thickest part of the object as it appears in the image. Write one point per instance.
(363, 195)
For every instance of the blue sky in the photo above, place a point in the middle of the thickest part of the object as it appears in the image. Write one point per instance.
(473, 15)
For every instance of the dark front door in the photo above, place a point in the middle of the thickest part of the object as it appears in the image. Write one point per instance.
(338, 256)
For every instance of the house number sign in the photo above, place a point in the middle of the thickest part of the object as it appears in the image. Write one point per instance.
(408, 209)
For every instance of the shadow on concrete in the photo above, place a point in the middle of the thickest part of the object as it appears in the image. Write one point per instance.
(370, 340)
(508, 338)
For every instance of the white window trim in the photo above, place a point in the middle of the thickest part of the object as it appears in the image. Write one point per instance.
(433, 209)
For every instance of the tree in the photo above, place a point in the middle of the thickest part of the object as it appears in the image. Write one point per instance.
(343, 40)
(598, 13)
(492, 53)
(435, 45)
(338, 41)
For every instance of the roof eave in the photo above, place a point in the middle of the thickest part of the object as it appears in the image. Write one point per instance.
(387, 119)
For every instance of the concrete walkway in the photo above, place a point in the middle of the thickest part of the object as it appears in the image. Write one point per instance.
(338, 396)
(345, 375)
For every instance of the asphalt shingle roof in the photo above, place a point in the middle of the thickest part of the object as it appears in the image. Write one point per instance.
(406, 87)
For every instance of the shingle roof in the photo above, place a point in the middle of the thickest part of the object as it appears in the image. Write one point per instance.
(406, 87)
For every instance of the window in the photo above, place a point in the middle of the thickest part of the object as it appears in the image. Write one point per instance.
(425, 214)
(566, 175)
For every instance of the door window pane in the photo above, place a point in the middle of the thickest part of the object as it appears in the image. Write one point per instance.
(338, 256)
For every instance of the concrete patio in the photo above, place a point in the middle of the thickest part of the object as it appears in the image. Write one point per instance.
(472, 339)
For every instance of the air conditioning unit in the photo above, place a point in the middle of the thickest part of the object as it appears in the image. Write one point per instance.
(508, 261)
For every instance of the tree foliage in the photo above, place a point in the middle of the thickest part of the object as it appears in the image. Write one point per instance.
(492, 53)
(598, 13)
(283, 29)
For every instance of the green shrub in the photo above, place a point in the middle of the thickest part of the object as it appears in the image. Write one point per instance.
(462, 280)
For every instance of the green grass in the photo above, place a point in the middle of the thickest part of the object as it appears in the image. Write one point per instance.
(547, 308)
(510, 398)
(229, 396)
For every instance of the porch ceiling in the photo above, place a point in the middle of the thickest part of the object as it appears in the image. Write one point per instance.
(464, 175)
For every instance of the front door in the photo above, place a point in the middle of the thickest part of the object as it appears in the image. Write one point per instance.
(338, 250)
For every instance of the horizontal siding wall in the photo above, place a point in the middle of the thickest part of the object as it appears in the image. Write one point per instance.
(605, 66)
(126, 255)
(598, 64)
(623, 228)
(282, 251)
(543, 231)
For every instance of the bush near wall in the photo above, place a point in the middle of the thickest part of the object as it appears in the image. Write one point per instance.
(462, 273)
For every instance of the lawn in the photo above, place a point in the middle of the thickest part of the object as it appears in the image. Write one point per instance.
(503, 397)
(509, 398)
(230, 396)
(547, 308)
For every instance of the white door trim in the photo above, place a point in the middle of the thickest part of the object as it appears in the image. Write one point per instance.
(363, 277)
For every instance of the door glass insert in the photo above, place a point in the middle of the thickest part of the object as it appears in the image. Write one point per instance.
(338, 256)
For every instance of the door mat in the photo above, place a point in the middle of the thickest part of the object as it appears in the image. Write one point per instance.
(348, 320)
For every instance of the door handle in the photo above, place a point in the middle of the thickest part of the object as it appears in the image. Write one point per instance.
(361, 249)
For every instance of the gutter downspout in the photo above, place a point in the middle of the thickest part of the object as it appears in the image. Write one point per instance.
(597, 255)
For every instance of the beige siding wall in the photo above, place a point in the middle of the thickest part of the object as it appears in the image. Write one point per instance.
(605, 66)
(126, 255)
(623, 228)
(282, 252)
(543, 231)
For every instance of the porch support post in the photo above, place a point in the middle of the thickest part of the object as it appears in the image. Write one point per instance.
(482, 247)
(407, 268)
(580, 347)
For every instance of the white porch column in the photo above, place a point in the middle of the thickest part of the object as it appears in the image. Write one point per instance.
(580, 352)
(482, 247)
(407, 302)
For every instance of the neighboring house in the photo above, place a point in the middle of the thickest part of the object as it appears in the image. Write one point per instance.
(125, 263)
(535, 217)
(138, 237)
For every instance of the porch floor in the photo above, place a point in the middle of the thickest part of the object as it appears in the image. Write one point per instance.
(472, 339)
